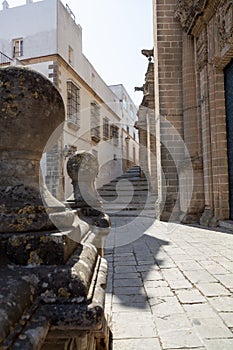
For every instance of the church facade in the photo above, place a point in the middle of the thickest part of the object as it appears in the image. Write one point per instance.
(191, 153)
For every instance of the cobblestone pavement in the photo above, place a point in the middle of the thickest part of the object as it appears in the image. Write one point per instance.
(170, 288)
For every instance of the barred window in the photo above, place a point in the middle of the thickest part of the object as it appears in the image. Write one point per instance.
(73, 104)
(105, 128)
(95, 122)
(17, 48)
(114, 134)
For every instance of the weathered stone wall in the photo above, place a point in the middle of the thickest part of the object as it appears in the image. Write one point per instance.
(193, 42)
(146, 126)
(168, 47)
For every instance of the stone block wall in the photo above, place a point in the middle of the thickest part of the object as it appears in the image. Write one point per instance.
(192, 47)
(169, 51)
(54, 166)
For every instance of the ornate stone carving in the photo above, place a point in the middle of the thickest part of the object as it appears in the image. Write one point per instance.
(202, 50)
(182, 12)
(187, 12)
(137, 88)
(225, 23)
(148, 53)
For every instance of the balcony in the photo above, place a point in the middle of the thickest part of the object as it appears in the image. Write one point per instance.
(95, 134)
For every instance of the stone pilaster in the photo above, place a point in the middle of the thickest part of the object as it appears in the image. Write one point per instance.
(190, 170)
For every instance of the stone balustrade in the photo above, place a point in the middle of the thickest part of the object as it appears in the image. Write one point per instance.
(52, 283)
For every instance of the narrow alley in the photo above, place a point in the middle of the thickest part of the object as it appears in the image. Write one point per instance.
(170, 288)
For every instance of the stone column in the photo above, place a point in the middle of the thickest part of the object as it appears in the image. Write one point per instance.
(203, 77)
(190, 170)
(143, 149)
(153, 155)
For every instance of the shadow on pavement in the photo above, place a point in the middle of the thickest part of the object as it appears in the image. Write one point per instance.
(130, 267)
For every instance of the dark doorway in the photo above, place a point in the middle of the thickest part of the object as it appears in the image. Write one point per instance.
(228, 73)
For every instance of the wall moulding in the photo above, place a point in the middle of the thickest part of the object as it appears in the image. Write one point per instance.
(188, 11)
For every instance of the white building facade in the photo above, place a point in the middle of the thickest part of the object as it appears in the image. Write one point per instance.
(44, 36)
(129, 134)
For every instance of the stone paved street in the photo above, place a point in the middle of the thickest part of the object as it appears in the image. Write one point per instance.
(171, 287)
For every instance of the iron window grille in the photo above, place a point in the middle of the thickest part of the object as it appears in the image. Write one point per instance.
(106, 129)
(114, 134)
(95, 122)
(73, 104)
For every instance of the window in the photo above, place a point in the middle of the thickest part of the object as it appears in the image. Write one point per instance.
(73, 104)
(106, 129)
(124, 102)
(131, 111)
(114, 134)
(17, 48)
(70, 56)
(95, 153)
(95, 122)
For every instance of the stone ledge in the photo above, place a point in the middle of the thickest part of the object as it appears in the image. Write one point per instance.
(227, 224)
(59, 301)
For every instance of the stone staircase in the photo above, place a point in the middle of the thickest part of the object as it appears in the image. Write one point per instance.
(128, 195)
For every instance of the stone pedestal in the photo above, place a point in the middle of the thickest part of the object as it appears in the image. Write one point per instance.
(82, 167)
(52, 277)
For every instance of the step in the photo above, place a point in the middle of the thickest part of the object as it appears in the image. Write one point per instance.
(135, 168)
(122, 206)
(125, 192)
(132, 176)
(132, 213)
(227, 224)
(128, 198)
(130, 179)
(127, 180)
(123, 187)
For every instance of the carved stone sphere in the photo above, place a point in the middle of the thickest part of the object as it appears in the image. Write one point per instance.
(82, 163)
(30, 109)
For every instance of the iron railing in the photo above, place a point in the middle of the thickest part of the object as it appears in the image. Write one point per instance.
(7, 61)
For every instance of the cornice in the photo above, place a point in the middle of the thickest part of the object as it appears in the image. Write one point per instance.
(188, 11)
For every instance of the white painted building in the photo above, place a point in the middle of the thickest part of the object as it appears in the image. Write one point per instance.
(130, 140)
(44, 36)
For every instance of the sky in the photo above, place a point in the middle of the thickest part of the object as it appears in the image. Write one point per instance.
(114, 33)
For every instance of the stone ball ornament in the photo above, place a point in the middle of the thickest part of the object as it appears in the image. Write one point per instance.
(31, 108)
(82, 163)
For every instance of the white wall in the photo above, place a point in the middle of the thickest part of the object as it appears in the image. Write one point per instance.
(129, 117)
(69, 34)
(129, 110)
(48, 28)
(39, 36)
(81, 138)
(42, 67)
